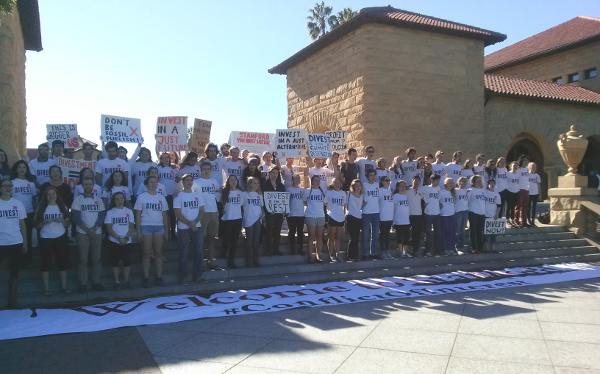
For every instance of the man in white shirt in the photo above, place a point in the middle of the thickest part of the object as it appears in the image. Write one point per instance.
(438, 167)
(209, 189)
(367, 163)
(106, 166)
(409, 166)
(454, 168)
(370, 216)
(234, 166)
(431, 195)
(40, 166)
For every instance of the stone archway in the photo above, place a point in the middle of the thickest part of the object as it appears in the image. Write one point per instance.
(322, 121)
(591, 160)
(528, 144)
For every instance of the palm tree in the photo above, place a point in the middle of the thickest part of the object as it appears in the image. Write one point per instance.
(342, 17)
(318, 21)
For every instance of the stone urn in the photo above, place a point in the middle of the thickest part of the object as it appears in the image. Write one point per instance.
(572, 147)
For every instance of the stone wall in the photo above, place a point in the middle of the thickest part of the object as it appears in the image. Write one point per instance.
(12, 87)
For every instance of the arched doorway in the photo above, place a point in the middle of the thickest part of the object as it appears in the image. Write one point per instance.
(530, 147)
(591, 161)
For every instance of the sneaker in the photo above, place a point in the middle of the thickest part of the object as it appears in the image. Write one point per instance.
(146, 283)
(332, 258)
(160, 282)
(403, 254)
(117, 286)
(127, 285)
(82, 288)
(98, 287)
(408, 255)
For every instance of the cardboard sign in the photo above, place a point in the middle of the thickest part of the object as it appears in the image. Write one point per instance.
(71, 168)
(290, 143)
(171, 134)
(277, 202)
(66, 133)
(200, 136)
(319, 146)
(339, 140)
(121, 129)
(255, 142)
(494, 226)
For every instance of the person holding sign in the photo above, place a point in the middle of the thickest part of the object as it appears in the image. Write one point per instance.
(40, 166)
(24, 190)
(58, 149)
(106, 166)
(231, 198)
(253, 213)
(476, 198)
(492, 207)
(120, 227)
(274, 221)
(336, 205)
(315, 200)
(295, 219)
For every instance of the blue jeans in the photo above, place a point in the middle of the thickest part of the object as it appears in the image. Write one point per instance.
(184, 244)
(461, 224)
(370, 233)
(433, 239)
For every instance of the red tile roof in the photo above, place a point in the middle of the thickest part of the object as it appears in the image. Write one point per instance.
(530, 88)
(394, 17)
(578, 31)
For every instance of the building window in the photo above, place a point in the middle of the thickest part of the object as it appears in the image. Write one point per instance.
(590, 73)
(573, 77)
(557, 80)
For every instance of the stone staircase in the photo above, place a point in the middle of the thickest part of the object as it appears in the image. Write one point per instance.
(518, 247)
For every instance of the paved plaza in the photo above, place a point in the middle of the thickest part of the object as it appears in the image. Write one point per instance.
(552, 328)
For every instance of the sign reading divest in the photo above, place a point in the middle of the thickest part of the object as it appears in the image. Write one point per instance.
(200, 136)
(494, 226)
(339, 140)
(255, 142)
(277, 202)
(121, 129)
(319, 146)
(171, 134)
(71, 168)
(290, 143)
(66, 133)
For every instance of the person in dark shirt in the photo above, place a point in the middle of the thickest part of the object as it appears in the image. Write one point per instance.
(274, 221)
(349, 170)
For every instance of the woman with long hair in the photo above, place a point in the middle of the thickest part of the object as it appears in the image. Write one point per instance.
(467, 171)
(189, 165)
(24, 190)
(139, 169)
(448, 220)
(252, 170)
(461, 212)
(161, 189)
(502, 184)
(402, 218)
(315, 217)
(56, 181)
(167, 173)
(356, 202)
(336, 205)
(512, 185)
(5, 171)
(231, 198)
(274, 221)
(117, 182)
(476, 198)
(120, 226)
(295, 219)
(253, 204)
(386, 216)
(534, 192)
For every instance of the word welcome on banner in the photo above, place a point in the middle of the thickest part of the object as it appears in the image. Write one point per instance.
(171, 134)
(71, 168)
(200, 136)
(290, 143)
(67, 133)
(319, 146)
(254, 142)
(494, 226)
(277, 202)
(121, 129)
(25, 323)
(339, 140)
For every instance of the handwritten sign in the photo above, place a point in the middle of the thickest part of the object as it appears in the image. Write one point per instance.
(66, 133)
(71, 168)
(255, 142)
(200, 136)
(121, 129)
(277, 202)
(494, 226)
(339, 140)
(319, 146)
(171, 134)
(290, 143)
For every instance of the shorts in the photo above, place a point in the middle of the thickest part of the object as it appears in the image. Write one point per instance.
(334, 223)
(119, 253)
(210, 224)
(150, 230)
(314, 221)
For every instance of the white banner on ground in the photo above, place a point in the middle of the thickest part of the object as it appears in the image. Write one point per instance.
(339, 140)
(171, 134)
(494, 226)
(200, 136)
(319, 146)
(71, 168)
(290, 143)
(37, 322)
(255, 142)
(121, 129)
(277, 202)
(66, 133)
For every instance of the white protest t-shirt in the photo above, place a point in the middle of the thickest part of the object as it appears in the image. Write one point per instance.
(479, 170)
(386, 204)
(355, 205)
(335, 204)
(24, 191)
(189, 203)
(534, 179)
(476, 197)
(431, 195)
(89, 207)
(492, 200)
(448, 203)
(286, 175)
(296, 201)
(523, 174)
(414, 201)
(151, 207)
(501, 181)
(236, 168)
(468, 173)
(315, 200)
(96, 191)
(166, 176)
(106, 167)
(409, 168)
(439, 169)
(395, 177)
(139, 172)
(217, 169)
(233, 207)
(119, 220)
(323, 174)
(453, 170)
(512, 182)
(11, 212)
(401, 210)
(380, 174)
(208, 188)
(371, 196)
(462, 203)
(41, 170)
(160, 189)
(252, 204)
(194, 171)
(364, 165)
(54, 229)
(107, 194)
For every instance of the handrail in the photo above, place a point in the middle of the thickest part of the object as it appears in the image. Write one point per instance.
(591, 206)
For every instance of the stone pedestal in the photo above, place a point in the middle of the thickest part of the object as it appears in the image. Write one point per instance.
(572, 181)
(565, 204)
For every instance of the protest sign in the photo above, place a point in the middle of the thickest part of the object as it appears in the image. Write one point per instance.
(171, 134)
(71, 168)
(290, 143)
(339, 140)
(319, 146)
(200, 136)
(277, 202)
(121, 129)
(255, 142)
(494, 226)
(66, 133)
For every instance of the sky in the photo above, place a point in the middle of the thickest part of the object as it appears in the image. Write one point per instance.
(208, 59)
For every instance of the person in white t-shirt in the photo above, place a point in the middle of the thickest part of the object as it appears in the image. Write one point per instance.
(492, 207)
(534, 192)
(117, 182)
(395, 170)
(189, 166)
(211, 193)
(336, 205)
(161, 189)
(366, 164)
(454, 169)
(402, 219)
(120, 226)
(521, 209)
(461, 213)
(467, 171)
(386, 217)
(40, 166)
(370, 217)
(315, 200)
(438, 167)
(414, 195)
(253, 203)
(448, 221)
(431, 196)
(381, 169)
(287, 172)
(87, 173)
(355, 204)
(167, 174)
(502, 184)
(476, 198)
(410, 165)
(231, 199)
(295, 219)
(139, 169)
(152, 225)
(189, 207)
(235, 166)
(320, 171)
(106, 166)
(24, 190)
(479, 167)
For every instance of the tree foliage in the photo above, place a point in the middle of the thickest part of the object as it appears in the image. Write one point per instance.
(321, 21)
(342, 17)
(6, 6)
